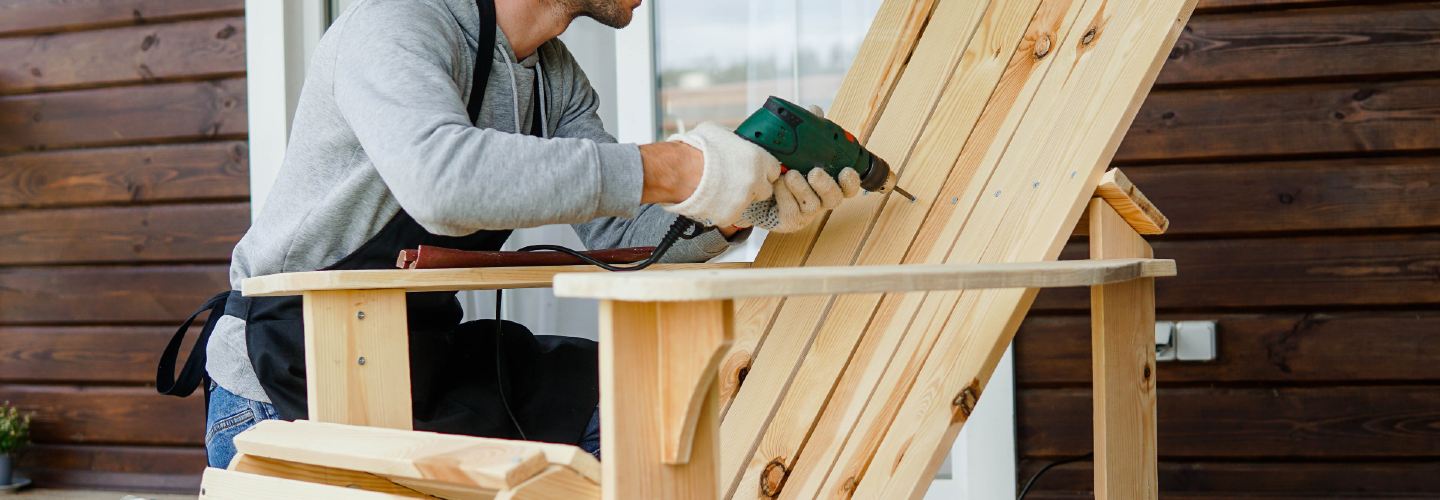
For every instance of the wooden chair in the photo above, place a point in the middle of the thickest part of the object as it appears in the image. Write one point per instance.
(846, 359)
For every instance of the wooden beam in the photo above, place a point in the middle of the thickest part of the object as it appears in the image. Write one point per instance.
(556, 483)
(1131, 204)
(320, 474)
(221, 484)
(1123, 352)
(357, 358)
(431, 280)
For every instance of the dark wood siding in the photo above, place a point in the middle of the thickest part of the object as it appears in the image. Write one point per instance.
(123, 188)
(1295, 146)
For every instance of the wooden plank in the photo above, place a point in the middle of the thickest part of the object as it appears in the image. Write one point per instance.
(308, 473)
(1215, 5)
(556, 483)
(108, 415)
(357, 358)
(463, 461)
(124, 115)
(202, 171)
(40, 16)
(1334, 423)
(165, 233)
(109, 354)
(1315, 43)
(1314, 195)
(679, 286)
(206, 48)
(1240, 479)
(1321, 347)
(630, 359)
(1389, 270)
(692, 338)
(431, 280)
(136, 468)
(1137, 210)
(1123, 359)
(1349, 117)
(220, 484)
(71, 295)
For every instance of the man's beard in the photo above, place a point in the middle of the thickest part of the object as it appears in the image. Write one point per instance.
(606, 12)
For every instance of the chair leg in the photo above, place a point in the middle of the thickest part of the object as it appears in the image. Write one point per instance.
(357, 358)
(1123, 347)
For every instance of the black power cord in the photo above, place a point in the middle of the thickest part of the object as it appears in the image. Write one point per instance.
(499, 371)
(682, 228)
(1036, 477)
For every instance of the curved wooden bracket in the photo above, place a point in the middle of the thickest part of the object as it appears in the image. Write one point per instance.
(694, 336)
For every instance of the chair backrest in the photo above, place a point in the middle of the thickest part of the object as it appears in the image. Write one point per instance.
(1001, 116)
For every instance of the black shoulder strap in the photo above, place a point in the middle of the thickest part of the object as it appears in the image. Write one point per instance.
(485, 49)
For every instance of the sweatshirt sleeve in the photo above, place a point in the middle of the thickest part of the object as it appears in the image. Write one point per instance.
(581, 120)
(396, 86)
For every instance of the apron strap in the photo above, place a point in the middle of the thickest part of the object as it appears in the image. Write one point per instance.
(194, 371)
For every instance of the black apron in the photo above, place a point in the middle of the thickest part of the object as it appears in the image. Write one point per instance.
(550, 383)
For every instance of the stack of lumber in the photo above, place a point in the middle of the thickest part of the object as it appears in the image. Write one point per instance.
(1000, 116)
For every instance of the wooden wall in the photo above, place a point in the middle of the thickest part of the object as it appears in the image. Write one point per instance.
(123, 188)
(1296, 147)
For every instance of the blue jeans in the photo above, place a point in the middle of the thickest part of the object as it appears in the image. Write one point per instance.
(230, 415)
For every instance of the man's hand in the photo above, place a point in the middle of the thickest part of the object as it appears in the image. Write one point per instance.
(799, 199)
(734, 174)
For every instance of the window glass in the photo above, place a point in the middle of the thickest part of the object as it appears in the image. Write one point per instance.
(719, 61)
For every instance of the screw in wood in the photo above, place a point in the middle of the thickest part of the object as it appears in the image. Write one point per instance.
(1042, 46)
(360, 315)
(1089, 37)
(954, 200)
(966, 400)
(773, 478)
(361, 361)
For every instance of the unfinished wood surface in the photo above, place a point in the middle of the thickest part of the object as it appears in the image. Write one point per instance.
(1123, 357)
(433, 280)
(693, 336)
(415, 459)
(630, 396)
(309, 473)
(221, 484)
(555, 483)
(1132, 205)
(357, 358)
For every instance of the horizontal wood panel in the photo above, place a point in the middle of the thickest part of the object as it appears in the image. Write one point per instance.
(1278, 348)
(1284, 272)
(38, 16)
(1303, 119)
(1311, 422)
(152, 233)
(1312, 43)
(1320, 195)
(1231, 479)
(187, 49)
(108, 354)
(133, 468)
(135, 415)
(69, 295)
(213, 170)
(1208, 5)
(123, 115)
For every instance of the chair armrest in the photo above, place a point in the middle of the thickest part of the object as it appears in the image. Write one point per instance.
(713, 284)
(433, 280)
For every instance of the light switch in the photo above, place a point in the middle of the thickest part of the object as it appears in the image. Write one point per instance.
(1164, 341)
(1195, 341)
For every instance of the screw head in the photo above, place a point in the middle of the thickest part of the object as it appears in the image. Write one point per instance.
(360, 315)
(361, 361)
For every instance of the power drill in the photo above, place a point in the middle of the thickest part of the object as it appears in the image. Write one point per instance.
(803, 142)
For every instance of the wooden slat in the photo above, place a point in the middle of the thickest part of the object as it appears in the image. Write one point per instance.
(1225, 480)
(123, 115)
(1287, 272)
(318, 474)
(65, 414)
(1318, 43)
(430, 280)
(1341, 347)
(122, 234)
(676, 286)
(136, 468)
(1124, 197)
(357, 358)
(1347, 422)
(108, 354)
(214, 170)
(1212, 5)
(1304, 119)
(189, 49)
(221, 484)
(39, 16)
(1316, 195)
(69, 295)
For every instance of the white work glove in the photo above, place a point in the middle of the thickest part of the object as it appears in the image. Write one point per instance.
(737, 174)
(799, 199)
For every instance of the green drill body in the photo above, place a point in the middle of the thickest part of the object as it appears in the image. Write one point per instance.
(803, 142)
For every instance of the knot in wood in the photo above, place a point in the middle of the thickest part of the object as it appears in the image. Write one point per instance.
(1089, 37)
(773, 478)
(1042, 46)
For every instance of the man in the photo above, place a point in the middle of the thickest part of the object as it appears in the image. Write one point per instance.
(395, 145)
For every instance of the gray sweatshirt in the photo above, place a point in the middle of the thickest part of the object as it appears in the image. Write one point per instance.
(381, 125)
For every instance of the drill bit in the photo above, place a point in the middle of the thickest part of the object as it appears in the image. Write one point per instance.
(905, 193)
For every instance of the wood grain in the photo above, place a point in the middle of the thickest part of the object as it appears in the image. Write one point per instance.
(137, 468)
(1346, 422)
(1222, 480)
(357, 358)
(106, 415)
(198, 49)
(99, 354)
(417, 280)
(200, 171)
(71, 295)
(1321, 347)
(40, 16)
(123, 115)
(1334, 118)
(168, 233)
